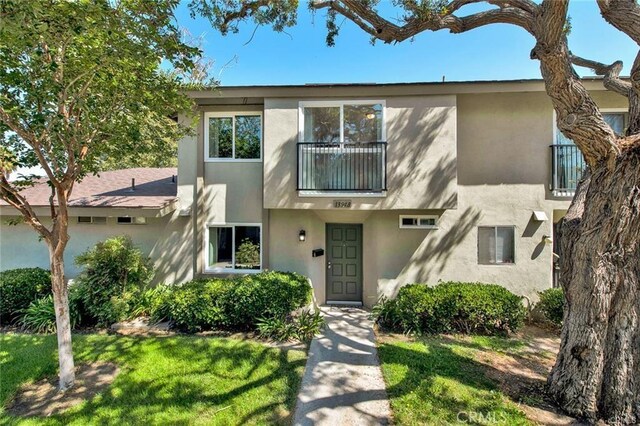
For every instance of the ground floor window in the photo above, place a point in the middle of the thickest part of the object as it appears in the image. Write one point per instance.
(234, 248)
(496, 245)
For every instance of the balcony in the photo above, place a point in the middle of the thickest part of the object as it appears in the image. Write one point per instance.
(567, 165)
(342, 167)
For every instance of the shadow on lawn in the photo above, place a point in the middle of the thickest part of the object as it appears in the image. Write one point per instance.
(187, 379)
(424, 365)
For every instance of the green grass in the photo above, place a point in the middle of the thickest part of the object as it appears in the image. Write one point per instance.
(436, 381)
(164, 380)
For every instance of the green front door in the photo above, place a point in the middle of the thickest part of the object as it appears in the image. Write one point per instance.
(344, 263)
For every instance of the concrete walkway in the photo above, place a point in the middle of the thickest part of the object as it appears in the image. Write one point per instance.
(342, 383)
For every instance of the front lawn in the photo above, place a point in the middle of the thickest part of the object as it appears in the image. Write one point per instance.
(163, 380)
(464, 380)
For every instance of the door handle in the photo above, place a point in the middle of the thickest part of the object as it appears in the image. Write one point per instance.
(328, 265)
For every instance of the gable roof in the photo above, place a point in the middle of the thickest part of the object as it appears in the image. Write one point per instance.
(155, 188)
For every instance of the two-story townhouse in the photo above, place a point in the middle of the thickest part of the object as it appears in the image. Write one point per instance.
(363, 188)
(367, 187)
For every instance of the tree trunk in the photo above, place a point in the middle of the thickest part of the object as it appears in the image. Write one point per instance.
(597, 372)
(63, 321)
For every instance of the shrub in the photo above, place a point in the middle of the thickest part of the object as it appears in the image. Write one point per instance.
(302, 327)
(384, 313)
(152, 302)
(236, 302)
(40, 315)
(115, 273)
(194, 306)
(471, 308)
(551, 305)
(275, 328)
(20, 287)
(267, 294)
(307, 324)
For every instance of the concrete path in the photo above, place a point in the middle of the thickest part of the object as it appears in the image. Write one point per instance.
(342, 383)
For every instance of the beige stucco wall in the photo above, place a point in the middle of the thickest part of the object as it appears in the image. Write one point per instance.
(421, 157)
(503, 169)
(165, 240)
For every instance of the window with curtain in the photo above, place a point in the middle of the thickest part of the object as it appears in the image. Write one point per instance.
(496, 245)
(234, 247)
(234, 137)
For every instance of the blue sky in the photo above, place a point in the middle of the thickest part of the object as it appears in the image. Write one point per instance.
(301, 56)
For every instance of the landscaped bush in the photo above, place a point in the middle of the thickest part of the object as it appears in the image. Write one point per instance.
(470, 308)
(115, 273)
(236, 302)
(300, 327)
(20, 287)
(551, 305)
(40, 315)
(152, 302)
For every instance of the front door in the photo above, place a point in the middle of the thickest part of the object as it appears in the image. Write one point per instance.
(344, 263)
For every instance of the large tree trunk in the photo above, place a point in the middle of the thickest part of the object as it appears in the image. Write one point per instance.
(597, 372)
(63, 320)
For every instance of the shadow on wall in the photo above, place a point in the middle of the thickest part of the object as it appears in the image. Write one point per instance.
(416, 140)
(173, 251)
(433, 254)
(420, 163)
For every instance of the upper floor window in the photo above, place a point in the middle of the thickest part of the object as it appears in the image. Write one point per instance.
(335, 122)
(616, 119)
(231, 136)
(568, 163)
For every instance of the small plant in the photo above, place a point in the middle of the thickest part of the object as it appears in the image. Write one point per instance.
(302, 327)
(40, 315)
(20, 287)
(275, 328)
(551, 305)
(307, 324)
(384, 313)
(153, 303)
(248, 255)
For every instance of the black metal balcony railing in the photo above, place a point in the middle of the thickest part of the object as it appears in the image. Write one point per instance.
(567, 168)
(342, 167)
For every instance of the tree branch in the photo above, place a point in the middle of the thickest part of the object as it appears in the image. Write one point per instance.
(13, 197)
(624, 15)
(377, 26)
(611, 74)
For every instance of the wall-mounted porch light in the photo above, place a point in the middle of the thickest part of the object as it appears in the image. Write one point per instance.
(302, 235)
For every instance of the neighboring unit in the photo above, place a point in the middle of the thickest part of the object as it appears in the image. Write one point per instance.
(141, 203)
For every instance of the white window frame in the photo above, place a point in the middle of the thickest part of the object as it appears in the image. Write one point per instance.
(232, 115)
(418, 217)
(341, 103)
(515, 248)
(211, 270)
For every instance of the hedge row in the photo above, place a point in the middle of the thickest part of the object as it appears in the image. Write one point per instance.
(471, 308)
(231, 303)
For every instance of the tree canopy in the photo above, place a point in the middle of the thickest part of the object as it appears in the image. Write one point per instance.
(85, 85)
